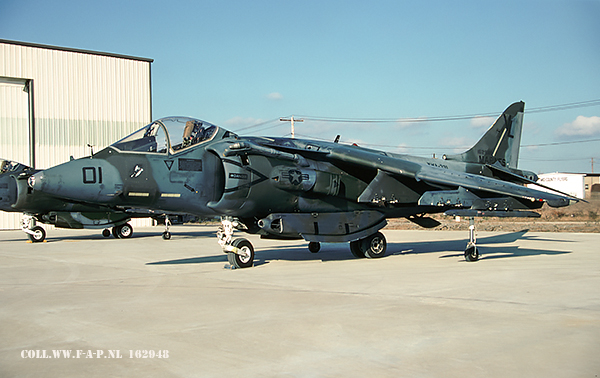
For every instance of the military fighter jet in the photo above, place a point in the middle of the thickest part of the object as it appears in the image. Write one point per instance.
(37, 206)
(286, 188)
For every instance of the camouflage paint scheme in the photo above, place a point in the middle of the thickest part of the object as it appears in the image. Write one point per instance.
(295, 188)
(17, 196)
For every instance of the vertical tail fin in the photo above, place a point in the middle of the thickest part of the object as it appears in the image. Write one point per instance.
(501, 143)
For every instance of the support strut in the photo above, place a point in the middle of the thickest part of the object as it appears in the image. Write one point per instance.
(471, 253)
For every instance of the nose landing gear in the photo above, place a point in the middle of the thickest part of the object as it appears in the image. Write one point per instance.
(240, 252)
(35, 233)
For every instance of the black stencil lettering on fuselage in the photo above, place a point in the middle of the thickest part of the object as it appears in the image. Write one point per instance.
(190, 165)
(239, 176)
(89, 175)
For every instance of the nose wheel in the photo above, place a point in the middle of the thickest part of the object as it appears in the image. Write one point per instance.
(240, 252)
(243, 257)
(35, 233)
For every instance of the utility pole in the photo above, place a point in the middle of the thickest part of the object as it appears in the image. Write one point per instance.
(292, 120)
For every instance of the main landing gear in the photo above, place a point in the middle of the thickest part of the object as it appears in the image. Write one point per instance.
(240, 252)
(371, 247)
(124, 231)
(471, 253)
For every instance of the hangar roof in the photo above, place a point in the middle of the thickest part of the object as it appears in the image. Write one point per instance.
(49, 47)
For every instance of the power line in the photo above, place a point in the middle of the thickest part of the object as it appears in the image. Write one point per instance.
(542, 109)
(261, 126)
(560, 143)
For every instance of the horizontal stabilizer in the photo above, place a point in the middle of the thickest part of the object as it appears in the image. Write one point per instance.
(505, 174)
(488, 184)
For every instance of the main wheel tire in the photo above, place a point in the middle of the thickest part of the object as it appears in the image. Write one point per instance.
(356, 250)
(471, 253)
(374, 246)
(246, 258)
(123, 231)
(38, 236)
(314, 247)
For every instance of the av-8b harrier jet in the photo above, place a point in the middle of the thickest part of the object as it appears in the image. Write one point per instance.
(286, 188)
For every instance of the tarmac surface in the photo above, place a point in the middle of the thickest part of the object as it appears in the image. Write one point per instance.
(529, 308)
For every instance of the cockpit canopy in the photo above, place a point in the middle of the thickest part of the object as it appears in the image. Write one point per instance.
(10, 166)
(168, 134)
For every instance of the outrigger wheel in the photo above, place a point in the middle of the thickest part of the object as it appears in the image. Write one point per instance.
(314, 247)
(166, 235)
(471, 253)
(38, 234)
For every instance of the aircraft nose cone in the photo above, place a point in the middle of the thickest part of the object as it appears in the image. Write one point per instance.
(88, 180)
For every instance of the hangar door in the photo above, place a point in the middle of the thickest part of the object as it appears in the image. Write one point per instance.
(15, 141)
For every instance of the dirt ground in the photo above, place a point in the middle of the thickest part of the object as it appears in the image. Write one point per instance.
(580, 217)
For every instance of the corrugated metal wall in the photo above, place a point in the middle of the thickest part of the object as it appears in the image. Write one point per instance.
(79, 98)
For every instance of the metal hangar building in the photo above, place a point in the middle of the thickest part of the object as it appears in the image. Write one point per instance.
(54, 101)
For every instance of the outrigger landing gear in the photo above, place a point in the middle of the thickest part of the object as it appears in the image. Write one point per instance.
(471, 253)
(35, 233)
(166, 235)
(240, 252)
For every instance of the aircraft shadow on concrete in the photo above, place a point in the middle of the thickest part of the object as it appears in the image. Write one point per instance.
(490, 247)
(98, 236)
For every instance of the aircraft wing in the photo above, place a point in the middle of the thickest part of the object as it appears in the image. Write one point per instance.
(438, 177)
(488, 184)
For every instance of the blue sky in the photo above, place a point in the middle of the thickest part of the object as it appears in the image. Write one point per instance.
(238, 63)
